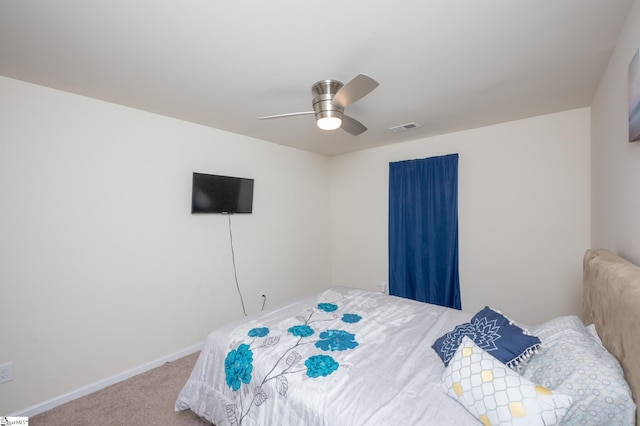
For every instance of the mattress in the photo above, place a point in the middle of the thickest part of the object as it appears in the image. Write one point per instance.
(341, 357)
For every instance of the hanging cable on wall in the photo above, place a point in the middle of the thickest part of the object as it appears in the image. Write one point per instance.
(235, 272)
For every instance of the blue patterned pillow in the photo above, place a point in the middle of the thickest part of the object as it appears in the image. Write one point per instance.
(493, 332)
(572, 362)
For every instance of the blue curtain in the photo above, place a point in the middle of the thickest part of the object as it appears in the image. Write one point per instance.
(423, 230)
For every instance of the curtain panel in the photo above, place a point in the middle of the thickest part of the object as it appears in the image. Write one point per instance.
(423, 230)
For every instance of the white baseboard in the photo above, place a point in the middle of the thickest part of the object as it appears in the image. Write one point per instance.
(86, 390)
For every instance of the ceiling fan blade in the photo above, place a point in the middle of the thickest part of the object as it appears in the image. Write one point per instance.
(291, 114)
(360, 86)
(353, 126)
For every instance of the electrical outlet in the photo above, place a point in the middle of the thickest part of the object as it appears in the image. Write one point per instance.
(6, 372)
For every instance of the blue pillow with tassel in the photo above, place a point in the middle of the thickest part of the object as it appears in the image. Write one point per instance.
(493, 332)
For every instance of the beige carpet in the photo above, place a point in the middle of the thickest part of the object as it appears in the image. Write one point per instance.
(145, 399)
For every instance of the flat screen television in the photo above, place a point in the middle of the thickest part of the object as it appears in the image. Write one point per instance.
(221, 194)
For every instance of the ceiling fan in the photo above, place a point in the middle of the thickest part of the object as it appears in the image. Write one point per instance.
(330, 98)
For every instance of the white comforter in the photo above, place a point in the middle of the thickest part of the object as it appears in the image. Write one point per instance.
(344, 357)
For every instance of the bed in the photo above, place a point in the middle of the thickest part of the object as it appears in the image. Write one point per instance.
(345, 357)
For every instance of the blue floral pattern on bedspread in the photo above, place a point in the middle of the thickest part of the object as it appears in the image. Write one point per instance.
(238, 363)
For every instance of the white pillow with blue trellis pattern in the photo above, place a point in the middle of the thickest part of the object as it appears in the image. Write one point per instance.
(572, 362)
(497, 395)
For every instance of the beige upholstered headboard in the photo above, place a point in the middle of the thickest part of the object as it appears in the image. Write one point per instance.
(612, 303)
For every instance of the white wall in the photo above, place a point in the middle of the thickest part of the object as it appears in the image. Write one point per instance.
(615, 163)
(523, 213)
(102, 266)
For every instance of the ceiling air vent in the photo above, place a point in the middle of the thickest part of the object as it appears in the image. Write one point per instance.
(403, 127)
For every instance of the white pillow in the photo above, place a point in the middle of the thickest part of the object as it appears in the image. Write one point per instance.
(497, 395)
(571, 361)
(591, 329)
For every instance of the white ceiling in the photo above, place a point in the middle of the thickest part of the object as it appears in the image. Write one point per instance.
(446, 64)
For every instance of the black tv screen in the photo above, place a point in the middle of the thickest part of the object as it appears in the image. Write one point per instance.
(221, 194)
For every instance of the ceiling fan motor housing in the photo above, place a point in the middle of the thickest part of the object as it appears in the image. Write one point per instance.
(323, 93)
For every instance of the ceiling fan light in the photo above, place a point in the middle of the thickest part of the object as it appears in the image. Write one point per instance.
(329, 123)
